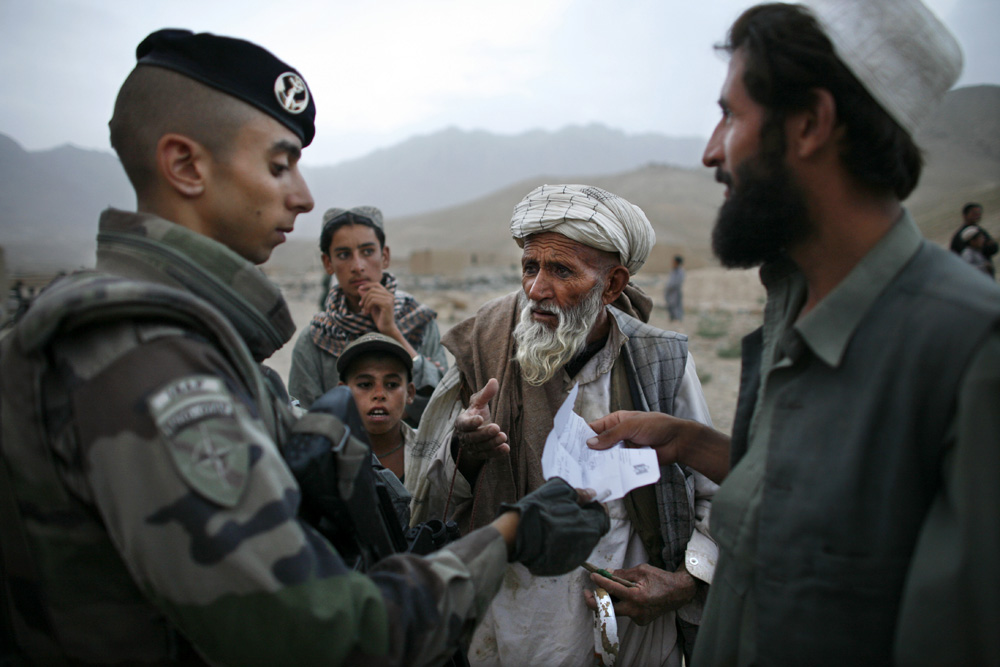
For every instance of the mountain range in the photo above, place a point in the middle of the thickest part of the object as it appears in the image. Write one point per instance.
(962, 163)
(455, 189)
(51, 199)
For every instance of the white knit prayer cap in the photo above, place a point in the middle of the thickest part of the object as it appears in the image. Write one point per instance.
(587, 215)
(899, 51)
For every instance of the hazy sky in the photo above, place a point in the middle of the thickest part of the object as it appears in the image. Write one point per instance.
(383, 70)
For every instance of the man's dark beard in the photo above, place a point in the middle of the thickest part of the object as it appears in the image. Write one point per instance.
(765, 214)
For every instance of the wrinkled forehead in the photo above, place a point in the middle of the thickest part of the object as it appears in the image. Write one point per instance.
(551, 246)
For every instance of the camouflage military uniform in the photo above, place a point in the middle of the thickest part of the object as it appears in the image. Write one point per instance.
(142, 442)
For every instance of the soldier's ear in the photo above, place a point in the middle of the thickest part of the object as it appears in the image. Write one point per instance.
(183, 164)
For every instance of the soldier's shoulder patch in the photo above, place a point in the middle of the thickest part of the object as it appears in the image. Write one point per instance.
(197, 419)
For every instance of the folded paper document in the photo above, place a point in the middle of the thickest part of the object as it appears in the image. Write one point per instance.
(610, 472)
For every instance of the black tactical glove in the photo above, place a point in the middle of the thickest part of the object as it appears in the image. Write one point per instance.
(555, 534)
(329, 455)
(328, 446)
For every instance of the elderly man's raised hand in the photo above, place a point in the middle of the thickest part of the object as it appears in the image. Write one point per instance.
(477, 436)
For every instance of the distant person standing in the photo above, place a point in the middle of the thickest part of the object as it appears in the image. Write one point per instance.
(972, 214)
(974, 238)
(674, 294)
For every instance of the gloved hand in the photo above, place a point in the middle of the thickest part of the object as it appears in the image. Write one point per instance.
(329, 455)
(555, 534)
(322, 451)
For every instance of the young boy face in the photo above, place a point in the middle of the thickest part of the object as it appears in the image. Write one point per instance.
(381, 391)
(355, 257)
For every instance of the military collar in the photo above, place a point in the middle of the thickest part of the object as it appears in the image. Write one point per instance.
(147, 247)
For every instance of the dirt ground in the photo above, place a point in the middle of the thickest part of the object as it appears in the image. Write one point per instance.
(721, 306)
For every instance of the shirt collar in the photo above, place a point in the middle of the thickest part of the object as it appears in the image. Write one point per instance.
(828, 328)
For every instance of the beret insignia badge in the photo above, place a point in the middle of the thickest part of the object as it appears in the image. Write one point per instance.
(292, 93)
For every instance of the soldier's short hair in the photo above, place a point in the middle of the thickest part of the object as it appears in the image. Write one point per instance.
(155, 101)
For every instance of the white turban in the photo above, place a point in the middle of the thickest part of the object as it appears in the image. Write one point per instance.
(588, 215)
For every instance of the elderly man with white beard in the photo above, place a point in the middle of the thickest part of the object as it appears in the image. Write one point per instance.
(577, 320)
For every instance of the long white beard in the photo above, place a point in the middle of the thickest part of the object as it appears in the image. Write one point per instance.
(542, 351)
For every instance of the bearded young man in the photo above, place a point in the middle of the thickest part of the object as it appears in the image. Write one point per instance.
(577, 319)
(860, 520)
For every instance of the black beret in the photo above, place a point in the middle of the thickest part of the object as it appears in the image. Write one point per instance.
(239, 68)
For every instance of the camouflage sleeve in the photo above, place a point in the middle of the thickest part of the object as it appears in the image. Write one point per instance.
(203, 512)
(463, 578)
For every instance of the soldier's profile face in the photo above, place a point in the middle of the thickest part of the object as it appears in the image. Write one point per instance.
(255, 191)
